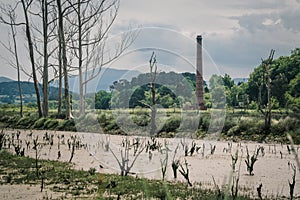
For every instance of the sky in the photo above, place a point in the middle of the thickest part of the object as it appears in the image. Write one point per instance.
(236, 34)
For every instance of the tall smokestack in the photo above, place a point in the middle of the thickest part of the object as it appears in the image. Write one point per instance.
(199, 75)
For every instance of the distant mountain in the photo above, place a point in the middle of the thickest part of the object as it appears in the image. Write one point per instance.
(9, 92)
(105, 79)
(5, 79)
(11, 88)
(240, 80)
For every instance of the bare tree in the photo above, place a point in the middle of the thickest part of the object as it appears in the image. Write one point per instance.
(185, 172)
(26, 6)
(250, 161)
(44, 6)
(62, 42)
(266, 110)
(292, 184)
(90, 23)
(153, 73)
(123, 163)
(10, 12)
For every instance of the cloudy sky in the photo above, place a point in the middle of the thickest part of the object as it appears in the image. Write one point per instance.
(236, 34)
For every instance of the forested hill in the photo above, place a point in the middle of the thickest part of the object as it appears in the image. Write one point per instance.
(9, 91)
(4, 79)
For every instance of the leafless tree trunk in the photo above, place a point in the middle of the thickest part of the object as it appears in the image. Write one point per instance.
(59, 109)
(64, 58)
(292, 184)
(26, 4)
(123, 163)
(153, 73)
(18, 70)
(266, 80)
(10, 12)
(90, 25)
(45, 56)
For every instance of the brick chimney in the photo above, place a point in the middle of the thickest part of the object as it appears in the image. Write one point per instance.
(199, 75)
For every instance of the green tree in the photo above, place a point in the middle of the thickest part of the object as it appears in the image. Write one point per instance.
(227, 81)
(102, 100)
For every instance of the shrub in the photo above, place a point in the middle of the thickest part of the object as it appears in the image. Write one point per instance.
(92, 171)
(112, 125)
(66, 125)
(39, 123)
(102, 119)
(230, 122)
(90, 117)
(26, 122)
(4, 118)
(200, 134)
(204, 122)
(50, 124)
(189, 123)
(13, 120)
(141, 120)
(289, 123)
(247, 126)
(172, 124)
(295, 137)
(284, 125)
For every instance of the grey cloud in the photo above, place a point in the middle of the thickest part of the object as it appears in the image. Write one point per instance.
(260, 4)
(290, 19)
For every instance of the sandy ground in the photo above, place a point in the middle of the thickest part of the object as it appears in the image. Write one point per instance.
(27, 192)
(271, 169)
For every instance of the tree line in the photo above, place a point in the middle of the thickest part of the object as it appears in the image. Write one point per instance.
(63, 37)
(283, 75)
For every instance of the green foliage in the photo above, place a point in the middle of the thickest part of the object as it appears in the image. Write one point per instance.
(284, 75)
(285, 125)
(92, 171)
(38, 124)
(141, 120)
(204, 122)
(66, 125)
(246, 126)
(50, 123)
(169, 86)
(102, 99)
(26, 122)
(172, 124)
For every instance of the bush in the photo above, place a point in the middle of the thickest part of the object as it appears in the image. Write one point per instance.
(112, 125)
(172, 124)
(66, 125)
(283, 125)
(102, 119)
(289, 123)
(296, 137)
(13, 120)
(189, 123)
(247, 126)
(92, 171)
(141, 120)
(204, 122)
(50, 124)
(39, 123)
(230, 122)
(26, 122)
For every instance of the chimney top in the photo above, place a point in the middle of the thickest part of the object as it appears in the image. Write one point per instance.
(199, 38)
